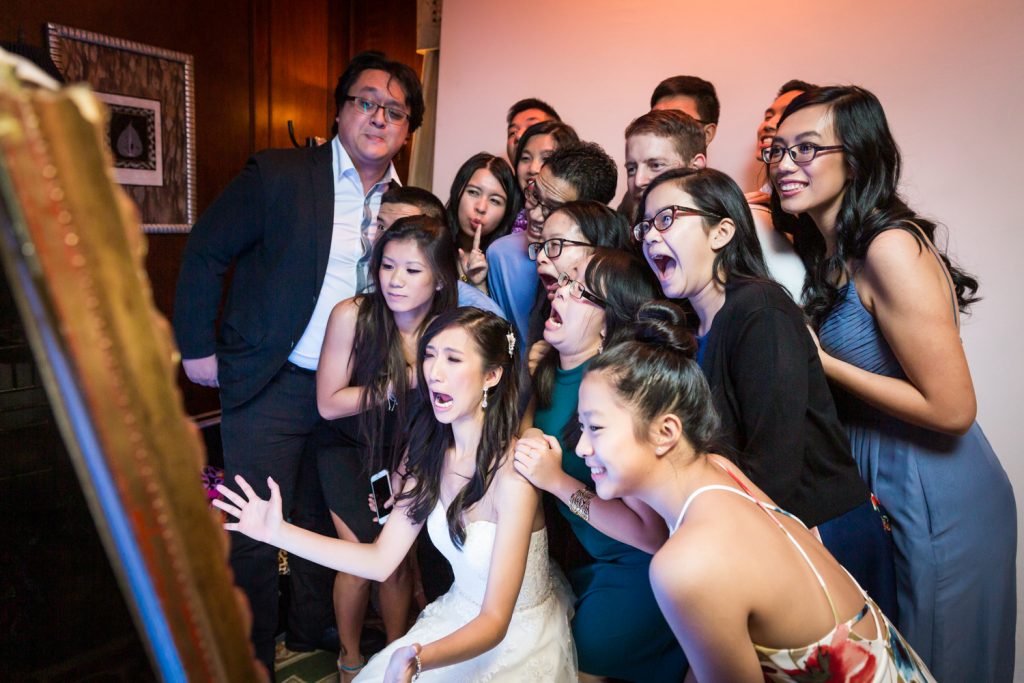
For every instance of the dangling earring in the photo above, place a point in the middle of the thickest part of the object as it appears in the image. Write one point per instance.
(484, 404)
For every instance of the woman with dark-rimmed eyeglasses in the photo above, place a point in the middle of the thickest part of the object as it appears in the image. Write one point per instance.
(779, 422)
(571, 232)
(886, 303)
(618, 628)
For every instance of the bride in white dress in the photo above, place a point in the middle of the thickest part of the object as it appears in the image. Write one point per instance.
(506, 617)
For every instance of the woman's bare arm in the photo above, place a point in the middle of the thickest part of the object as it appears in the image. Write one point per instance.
(334, 397)
(902, 284)
(707, 613)
(628, 520)
(262, 520)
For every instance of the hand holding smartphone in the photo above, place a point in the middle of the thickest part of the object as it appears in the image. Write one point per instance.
(380, 489)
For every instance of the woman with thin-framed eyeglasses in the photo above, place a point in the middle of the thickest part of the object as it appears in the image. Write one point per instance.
(614, 600)
(886, 301)
(778, 417)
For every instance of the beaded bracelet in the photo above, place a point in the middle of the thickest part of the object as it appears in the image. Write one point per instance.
(579, 503)
(419, 664)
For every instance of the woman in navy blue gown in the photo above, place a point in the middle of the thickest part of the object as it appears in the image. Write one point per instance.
(886, 304)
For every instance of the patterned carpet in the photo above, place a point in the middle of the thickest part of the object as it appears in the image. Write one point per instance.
(317, 666)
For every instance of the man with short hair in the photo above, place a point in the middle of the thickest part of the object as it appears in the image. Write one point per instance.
(660, 141)
(521, 116)
(574, 172)
(656, 143)
(789, 91)
(693, 96)
(295, 225)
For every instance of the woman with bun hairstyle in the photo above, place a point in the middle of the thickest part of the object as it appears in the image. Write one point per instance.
(618, 629)
(779, 423)
(365, 395)
(886, 304)
(749, 592)
(482, 207)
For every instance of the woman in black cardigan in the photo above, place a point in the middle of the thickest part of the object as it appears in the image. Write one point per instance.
(779, 423)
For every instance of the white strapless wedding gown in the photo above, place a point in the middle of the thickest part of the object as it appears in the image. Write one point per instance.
(538, 645)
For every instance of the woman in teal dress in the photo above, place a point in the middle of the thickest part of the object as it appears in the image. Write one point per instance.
(886, 304)
(618, 628)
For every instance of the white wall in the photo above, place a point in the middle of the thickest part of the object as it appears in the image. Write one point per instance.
(950, 74)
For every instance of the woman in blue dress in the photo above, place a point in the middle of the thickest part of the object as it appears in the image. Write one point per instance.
(618, 628)
(886, 304)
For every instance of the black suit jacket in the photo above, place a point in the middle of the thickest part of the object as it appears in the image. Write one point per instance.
(274, 222)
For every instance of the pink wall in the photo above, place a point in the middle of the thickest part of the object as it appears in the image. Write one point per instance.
(949, 72)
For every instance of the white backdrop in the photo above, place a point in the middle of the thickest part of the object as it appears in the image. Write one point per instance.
(950, 74)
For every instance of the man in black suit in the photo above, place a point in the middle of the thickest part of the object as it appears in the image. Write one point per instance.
(294, 223)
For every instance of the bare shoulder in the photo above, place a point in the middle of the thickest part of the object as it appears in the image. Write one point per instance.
(693, 565)
(511, 489)
(900, 269)
(507, 478)
(892, 253)
(347, 308)
(345, 314)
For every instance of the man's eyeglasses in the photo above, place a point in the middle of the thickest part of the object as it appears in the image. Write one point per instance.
(578, 291)
(531, 194)
(552, 247)
(664, 219)
(801, 153)
(369, 108)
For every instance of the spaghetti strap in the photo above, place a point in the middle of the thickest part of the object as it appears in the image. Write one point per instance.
(702, 489)
(768, 511)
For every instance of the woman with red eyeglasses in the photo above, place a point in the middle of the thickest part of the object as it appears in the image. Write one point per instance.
(779, 423)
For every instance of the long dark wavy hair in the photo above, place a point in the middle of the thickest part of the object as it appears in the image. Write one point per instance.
(717, 193)
(871, 202)
(500, 169)
(625, 283)
(377, 359)
(430, 440)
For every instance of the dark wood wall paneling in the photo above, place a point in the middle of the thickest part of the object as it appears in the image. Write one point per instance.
(258, 63)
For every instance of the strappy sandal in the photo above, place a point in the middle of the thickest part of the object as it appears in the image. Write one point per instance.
(347, 673)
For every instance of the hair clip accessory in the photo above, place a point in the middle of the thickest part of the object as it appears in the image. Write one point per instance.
(511, 338)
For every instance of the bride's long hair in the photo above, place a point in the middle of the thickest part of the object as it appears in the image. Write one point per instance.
(429, 440)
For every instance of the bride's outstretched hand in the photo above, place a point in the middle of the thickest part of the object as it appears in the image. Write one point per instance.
(257, 518)
(402, 665)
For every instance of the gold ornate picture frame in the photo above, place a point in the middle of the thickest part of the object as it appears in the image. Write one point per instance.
(71, 248)
(150, 94)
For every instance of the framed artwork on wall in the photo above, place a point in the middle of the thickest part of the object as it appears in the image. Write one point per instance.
(149, 92)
